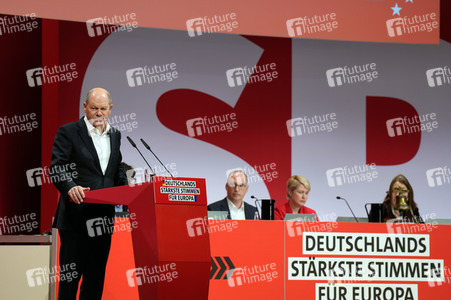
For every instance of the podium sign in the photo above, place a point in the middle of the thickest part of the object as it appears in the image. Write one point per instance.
(181, 191)
(169, 258)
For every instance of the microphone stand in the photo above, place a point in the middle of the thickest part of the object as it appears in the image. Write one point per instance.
(340, 198)
(134, 145)
(148, 148)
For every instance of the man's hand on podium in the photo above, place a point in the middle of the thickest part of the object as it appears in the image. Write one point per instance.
(77, 194)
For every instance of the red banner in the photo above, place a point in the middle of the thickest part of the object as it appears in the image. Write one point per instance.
(315, 260)
(374, 21)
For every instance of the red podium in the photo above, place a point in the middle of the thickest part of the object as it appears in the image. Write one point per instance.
(170, 240)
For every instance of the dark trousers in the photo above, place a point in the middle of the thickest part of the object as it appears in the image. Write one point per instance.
(86, 257)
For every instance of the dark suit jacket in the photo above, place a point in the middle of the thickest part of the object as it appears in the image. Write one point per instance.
(73, 144)
(221, 205)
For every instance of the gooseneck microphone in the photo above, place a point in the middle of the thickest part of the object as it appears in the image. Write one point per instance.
(148, 148)
(134, 146)
(256, 206)
(340, 198)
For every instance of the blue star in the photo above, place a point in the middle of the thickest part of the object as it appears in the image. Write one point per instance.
(409, 1)
(396, 10)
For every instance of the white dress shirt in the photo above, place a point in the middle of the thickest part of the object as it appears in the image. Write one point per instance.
(101, 143)
(236, 213)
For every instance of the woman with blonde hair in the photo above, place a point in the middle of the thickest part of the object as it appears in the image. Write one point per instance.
(298, 188)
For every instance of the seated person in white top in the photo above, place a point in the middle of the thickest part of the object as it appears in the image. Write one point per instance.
(236, 188)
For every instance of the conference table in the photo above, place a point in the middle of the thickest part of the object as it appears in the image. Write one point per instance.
(167, 248)
(311, 260)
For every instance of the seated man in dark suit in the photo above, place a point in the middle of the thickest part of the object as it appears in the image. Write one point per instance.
(236, 188)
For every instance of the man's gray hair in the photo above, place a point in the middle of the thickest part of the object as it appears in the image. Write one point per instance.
(237, 171)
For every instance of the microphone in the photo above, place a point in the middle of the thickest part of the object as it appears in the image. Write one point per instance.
(256, 206)
(148, 148)
(340, 198)
(131, 142)
(134, 145)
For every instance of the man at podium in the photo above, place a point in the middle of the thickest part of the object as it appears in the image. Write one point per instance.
(91, 147)
(236, 188)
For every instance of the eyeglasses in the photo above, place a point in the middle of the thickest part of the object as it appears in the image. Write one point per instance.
(239, 186)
